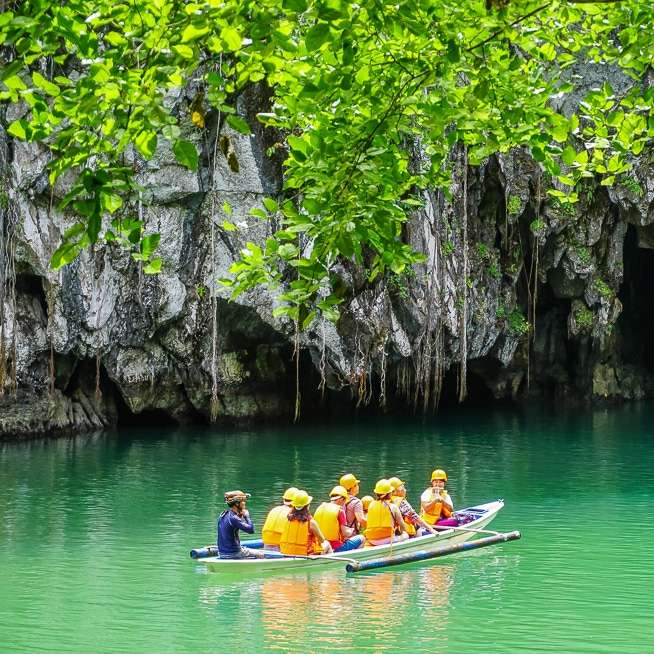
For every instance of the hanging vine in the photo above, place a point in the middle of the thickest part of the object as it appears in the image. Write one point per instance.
(463, 389)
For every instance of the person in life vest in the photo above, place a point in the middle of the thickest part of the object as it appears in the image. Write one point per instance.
(330, 517)
(301, 534)
(275, 521)
(365, 502)
(385, 524)
(354, 514)
(236, 518)
(415, 525)
(436, 503)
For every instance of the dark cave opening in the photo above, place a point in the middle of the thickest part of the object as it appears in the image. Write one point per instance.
(636, 322)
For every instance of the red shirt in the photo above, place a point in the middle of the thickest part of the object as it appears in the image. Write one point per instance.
(341, 521)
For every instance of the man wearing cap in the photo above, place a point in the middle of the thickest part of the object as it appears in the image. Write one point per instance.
(354, 514)
(330, 517)
(275, 521)
(235, 518)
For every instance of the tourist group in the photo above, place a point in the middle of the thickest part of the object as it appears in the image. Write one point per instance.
(346, 522)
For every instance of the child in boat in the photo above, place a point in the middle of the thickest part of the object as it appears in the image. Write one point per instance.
(436, 503)
(365, 503)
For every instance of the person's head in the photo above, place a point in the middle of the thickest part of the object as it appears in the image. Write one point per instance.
(300, 506)
(398, 487)
(289, 494)
(365, 500)
(236, 499)
(383, 489)
(438, 478)
(338, 495)
(350, 483)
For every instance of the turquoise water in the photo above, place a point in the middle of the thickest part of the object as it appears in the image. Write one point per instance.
(95, 533)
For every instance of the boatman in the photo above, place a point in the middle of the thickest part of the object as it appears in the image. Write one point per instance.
(235, 518)
(436, 503)
(354, 515)
(275, 521)
(330, 517)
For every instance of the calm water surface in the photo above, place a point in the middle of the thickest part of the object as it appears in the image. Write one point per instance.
(95, 533)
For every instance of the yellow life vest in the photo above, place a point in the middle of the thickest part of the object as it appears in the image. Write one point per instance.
(295, 538)
(327, 518)
(274, 524)
(409, 526)
(438, 511)
(380, 521)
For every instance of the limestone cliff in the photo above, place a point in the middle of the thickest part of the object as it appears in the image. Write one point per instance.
(554, 301)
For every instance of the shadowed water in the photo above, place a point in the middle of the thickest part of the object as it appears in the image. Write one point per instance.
(95, 533)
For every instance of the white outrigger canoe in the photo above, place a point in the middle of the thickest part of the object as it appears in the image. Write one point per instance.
(481, 516)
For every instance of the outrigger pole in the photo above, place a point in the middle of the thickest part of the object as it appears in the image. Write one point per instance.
(422, 555)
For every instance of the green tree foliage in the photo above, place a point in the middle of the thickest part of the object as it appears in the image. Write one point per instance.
(357, 87)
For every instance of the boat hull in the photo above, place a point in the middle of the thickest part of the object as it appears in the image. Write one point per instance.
(482, 514)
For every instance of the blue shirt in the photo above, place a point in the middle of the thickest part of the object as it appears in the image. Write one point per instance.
(228, 525)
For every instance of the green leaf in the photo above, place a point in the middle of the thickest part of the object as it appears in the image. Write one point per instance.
(186, 154)
(149, 244)
(64, 254)
(146, 143)
(239, 124)
(20, 129)
(191, 32)
(45, 85)
(154, 267)
(231, 37)
(184, 51)
(271, 205)
(317, 36)
(227, 208)
(111, 202)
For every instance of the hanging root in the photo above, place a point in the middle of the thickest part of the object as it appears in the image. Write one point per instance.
(463, 387)
(296, 354)
(98, 392)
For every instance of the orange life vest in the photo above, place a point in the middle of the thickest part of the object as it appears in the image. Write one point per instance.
(273, 527)
(297, 538)
(380, 521)
(327, 518)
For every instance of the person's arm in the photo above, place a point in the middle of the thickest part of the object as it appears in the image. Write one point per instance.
(346, 531)
(397, 517)
(242, 522)
(325, 544)
(410, 513)
(448, 508)
(360, 515)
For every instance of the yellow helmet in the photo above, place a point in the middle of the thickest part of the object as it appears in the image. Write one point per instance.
(383, 487)
(289, 494)
(338, 491)
(301, 499)
(348, 481)
(365, 500)
(439, 474)
(396, 482)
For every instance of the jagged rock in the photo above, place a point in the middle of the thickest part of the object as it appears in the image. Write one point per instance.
(153, 335)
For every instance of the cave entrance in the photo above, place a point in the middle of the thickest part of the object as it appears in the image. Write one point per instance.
(636, 323)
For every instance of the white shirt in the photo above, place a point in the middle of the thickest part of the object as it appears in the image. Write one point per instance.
(428, 497)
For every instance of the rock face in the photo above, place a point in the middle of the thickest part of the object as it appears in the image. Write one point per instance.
(554, 301)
